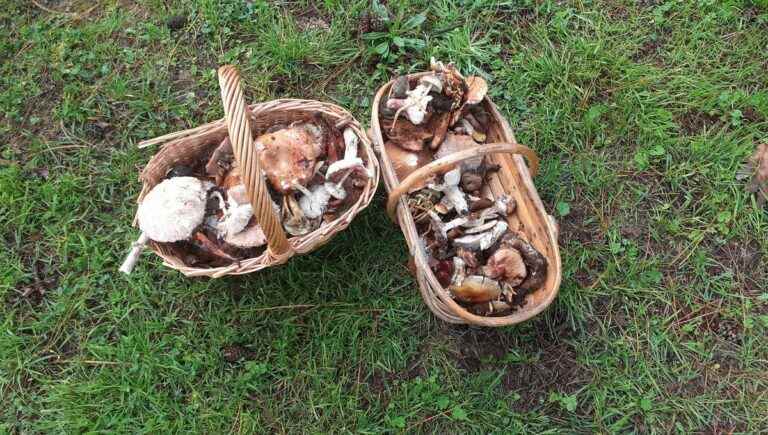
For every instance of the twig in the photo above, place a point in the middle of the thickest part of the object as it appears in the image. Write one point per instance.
(291, 307)
(45, 8)
(90, 362)
(304, 306)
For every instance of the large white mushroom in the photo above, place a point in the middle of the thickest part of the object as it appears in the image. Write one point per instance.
(170, 212)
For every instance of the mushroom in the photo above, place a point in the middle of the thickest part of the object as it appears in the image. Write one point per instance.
(504, 205)
(400, 87)
(441, 232)
(415, 105)
(180, 171)
(475, 289)
(433, 82)
(474, 122)
(480, 228)
(232, 178)
(535, 262)
(439, 124)
(441, 103)
(477, 88)
(476, 220)
(455, 223)
(479, 204)
(350, 160)
(234, 226)
(455, 143)
(170, 212)
(506, 264)
(471, 181)
(466, 127)
(406, 162)
(288, 155)
(406, 134)
(251, 237)
(220, 159)
(204, 243)
(295, 221)
(314, 202)
(459, 271)
(450, 189)
(482, 241)
(237, 212)
(491, 307)
(468, 257)
(454, 85)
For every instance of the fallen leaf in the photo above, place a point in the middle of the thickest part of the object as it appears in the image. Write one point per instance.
(757, 168)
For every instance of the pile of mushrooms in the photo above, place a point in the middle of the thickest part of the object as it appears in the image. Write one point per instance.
(487, 267)
(314, 174)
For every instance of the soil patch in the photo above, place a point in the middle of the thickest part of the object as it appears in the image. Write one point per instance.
(691, 123)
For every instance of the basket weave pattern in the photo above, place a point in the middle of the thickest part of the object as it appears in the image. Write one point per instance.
(242, 123)
(513, 179)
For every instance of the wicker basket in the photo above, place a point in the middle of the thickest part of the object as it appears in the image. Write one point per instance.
(513, 178)
(242, 123)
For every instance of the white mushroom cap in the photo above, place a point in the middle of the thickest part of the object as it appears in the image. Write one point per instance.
(251, 237)
(173, 209)
(434, 81)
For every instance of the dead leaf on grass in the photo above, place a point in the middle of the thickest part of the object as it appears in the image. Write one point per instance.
(756, 169)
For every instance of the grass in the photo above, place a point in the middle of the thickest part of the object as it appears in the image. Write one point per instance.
(642, 112)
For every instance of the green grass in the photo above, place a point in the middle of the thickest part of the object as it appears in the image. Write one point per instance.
(641, 111)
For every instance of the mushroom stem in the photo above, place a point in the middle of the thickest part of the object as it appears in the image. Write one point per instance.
(350, 160)
(133, 256)
(207, 244)
(415, 105)
(315, 202)
(459, 271)
(450, 189)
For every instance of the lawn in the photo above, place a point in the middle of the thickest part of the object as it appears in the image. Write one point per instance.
(642, 111)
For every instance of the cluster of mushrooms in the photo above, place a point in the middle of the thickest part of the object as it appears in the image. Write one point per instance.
(314, 174)
(487, 267)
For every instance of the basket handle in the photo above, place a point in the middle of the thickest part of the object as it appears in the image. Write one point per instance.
(239, 127)
(444, 163)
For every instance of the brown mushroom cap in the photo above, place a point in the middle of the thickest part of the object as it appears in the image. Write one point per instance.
(506, 264)
(288, 156)
(455, 143)
(535, 262)
(404, 161)
(475, 289)
(477, 88)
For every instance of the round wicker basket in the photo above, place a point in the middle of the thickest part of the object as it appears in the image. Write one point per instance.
(514, 178)
(242, 123)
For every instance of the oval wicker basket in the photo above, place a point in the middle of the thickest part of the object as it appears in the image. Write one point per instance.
(513, 178)
(242, 123)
